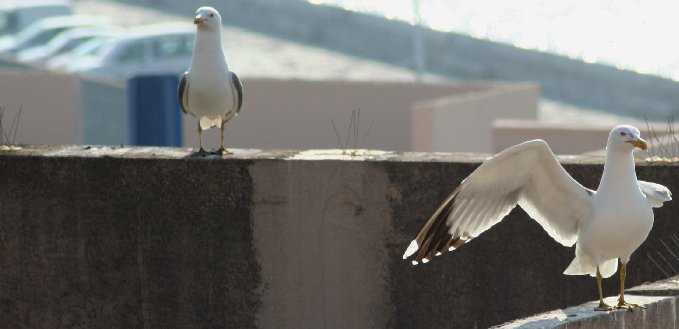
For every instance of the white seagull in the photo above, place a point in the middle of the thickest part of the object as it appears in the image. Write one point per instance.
(607, 224)
(209, 90)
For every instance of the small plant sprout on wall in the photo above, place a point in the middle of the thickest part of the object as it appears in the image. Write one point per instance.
(350, 144)
(8, 134)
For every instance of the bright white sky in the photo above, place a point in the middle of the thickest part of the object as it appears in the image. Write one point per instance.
(640, 35)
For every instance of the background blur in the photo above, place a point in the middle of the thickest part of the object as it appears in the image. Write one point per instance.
(469, 76)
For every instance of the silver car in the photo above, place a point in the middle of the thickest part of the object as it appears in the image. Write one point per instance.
(65, 42)
(42, 31)
(154, 49)
(16, 16)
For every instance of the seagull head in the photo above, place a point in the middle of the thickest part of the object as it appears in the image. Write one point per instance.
(626, 138)
(207, 18)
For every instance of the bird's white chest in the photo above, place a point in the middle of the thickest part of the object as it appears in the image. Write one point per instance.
(210, 93)
(617, 228)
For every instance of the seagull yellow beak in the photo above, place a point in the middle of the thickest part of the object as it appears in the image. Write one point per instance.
(198, 20)
(640, 143)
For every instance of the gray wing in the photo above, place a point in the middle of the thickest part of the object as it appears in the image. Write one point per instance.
(527, 174)
(656, 194)
(183, 92)
(238, 87)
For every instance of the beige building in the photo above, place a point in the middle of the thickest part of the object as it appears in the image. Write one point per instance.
(402, 116)
(299, 114)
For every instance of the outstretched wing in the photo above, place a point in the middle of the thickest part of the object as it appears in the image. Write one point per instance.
(656, 194)
(527, 174)
(183, 92)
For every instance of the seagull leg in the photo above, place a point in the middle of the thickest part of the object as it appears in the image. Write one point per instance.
(621, 300)
(602, 306)
(201, 152)
(222, 150)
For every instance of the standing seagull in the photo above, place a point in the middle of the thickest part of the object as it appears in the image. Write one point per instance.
(608, 224)
(209, 90)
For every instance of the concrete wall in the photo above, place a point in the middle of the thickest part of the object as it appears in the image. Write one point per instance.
(661, 301)
(154, 237)
(449, 54)
(463, 123)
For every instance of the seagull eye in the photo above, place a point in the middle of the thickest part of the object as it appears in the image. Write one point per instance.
(622, 133)
(212, 15)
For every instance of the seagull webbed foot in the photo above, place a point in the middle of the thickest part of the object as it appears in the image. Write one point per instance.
(202, 152)
(603, 307)
(625, 305)
(223, 151)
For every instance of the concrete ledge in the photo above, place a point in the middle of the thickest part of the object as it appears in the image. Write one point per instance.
(132, 237)
(659, 298)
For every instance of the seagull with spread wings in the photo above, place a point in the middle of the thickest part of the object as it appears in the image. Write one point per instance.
(209, 90)
(607, 224)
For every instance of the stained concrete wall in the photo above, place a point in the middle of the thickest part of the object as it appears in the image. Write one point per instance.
(157, 238)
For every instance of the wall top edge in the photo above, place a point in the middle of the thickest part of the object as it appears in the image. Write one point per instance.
(350, 155)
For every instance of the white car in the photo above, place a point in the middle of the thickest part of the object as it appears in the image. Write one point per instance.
(86, 49)
(154, 49)
(16, 16)
(40, 32)
(64, 42)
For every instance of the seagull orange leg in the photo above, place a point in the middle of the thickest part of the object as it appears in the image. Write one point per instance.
(602, 306)
(222, 150)
(201, 152)
(621, 301)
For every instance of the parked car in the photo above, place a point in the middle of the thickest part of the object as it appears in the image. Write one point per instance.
(18, 15)
(86, 49)
(154, 49)
(65, 42)
(42, 31)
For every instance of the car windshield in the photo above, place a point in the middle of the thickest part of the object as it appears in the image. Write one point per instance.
(29, 32)
(66, 41)
(40, 38)
(8, 22)
(70, 44)
(91, 47)
(106, 48)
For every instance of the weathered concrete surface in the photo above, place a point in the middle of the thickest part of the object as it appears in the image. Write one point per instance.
(319, 229)
(103, 241)
(157, 238)
(660, 312)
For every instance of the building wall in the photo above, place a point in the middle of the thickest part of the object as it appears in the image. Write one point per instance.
(50, 106)
(299, 114)
(578, 139)
(283, 114)
(124, 237)
(464, 123)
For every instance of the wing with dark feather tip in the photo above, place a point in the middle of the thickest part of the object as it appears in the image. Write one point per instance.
(527, 174)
